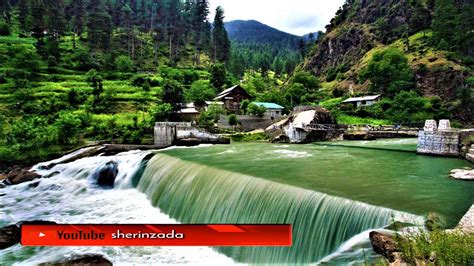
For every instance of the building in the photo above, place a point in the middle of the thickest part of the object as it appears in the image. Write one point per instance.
(273, 110)
(363, 101)
(232, 97)
(188, 113)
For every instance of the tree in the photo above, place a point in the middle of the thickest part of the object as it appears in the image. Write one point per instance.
(67, 126)
(221, 43)
(123, 63)
(200, 92)
(99, 25)
(173, 25)
(302, 47)
(257, 110)
(5, 9)
(218, 76)
(408, 106)
(172, 93)
(421, 18)
(199, 12)
(38, 10)
(162, 112)
(78, 17)
(23, 12)
(232, 120)
(388, 72)
(211, 115)
(95, 81)
(4, 29)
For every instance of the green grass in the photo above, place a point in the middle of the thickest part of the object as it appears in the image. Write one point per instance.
(249, 137)
(354, 120)
(331, 103)
(447, 248)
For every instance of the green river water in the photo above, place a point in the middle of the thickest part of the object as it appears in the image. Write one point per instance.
(385, 173)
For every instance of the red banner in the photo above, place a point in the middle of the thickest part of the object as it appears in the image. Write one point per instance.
(156, 235)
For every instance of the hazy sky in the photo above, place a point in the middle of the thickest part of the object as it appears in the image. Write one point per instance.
(294, 16)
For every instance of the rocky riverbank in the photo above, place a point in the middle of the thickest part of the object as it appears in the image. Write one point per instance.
(392, 245)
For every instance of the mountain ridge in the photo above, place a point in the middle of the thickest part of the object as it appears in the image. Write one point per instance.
(256, 32)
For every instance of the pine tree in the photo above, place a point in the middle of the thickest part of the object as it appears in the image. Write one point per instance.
(5, 10)
(221, 43)
(38, 26)
(199, 13)
(173, 25)
(99, 25)
(420, 19)
(23, 12)
(78, 16)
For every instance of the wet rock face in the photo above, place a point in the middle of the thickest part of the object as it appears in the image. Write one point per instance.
(384, 244)
(11, 235)
(105, 176)
(83, 260)
(18, 176)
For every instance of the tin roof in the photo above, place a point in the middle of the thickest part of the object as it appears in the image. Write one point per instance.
(363, 98)
(269, 105)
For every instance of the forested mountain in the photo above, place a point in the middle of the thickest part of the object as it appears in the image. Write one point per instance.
(261, 47)
(254, 32)
(422, 49)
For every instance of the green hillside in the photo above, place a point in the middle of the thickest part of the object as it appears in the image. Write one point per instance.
(432, 38)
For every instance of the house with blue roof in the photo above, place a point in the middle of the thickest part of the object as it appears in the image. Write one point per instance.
(274, 110)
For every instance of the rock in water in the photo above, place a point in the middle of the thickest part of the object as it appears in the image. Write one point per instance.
(463, 174)
(385, 245)
(9, 236)
(83, 260)
(18, 176)
(105, 176)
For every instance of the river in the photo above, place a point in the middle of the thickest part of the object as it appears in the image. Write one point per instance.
(332, 194)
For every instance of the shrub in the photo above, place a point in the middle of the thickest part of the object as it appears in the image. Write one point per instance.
(446, 248)
(232, 120)
(211, 115)
(67, 125)
(4, 29)
(123, 63)
(389, 72)
(254, 109)
(200, 92)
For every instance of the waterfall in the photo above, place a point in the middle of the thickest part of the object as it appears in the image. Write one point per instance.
(194, 193)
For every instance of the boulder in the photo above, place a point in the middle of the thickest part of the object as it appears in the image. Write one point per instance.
(9, 236)
(18, 176)
(466, 224)
(385, 245)
(82, 260)
(105, 176)
(463, 174)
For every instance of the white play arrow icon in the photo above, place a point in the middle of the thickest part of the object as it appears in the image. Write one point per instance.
(41, 234)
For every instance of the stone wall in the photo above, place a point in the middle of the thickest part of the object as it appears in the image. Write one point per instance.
(247, 122)
(170, 133)
(439, 143)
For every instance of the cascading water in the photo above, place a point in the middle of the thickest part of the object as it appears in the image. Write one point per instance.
(71, 196)
(194, 193)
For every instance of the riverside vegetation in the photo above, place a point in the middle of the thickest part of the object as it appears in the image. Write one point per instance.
(73, 70)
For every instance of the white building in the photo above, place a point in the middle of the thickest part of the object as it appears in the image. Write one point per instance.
(363, 101)
(273, 110)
